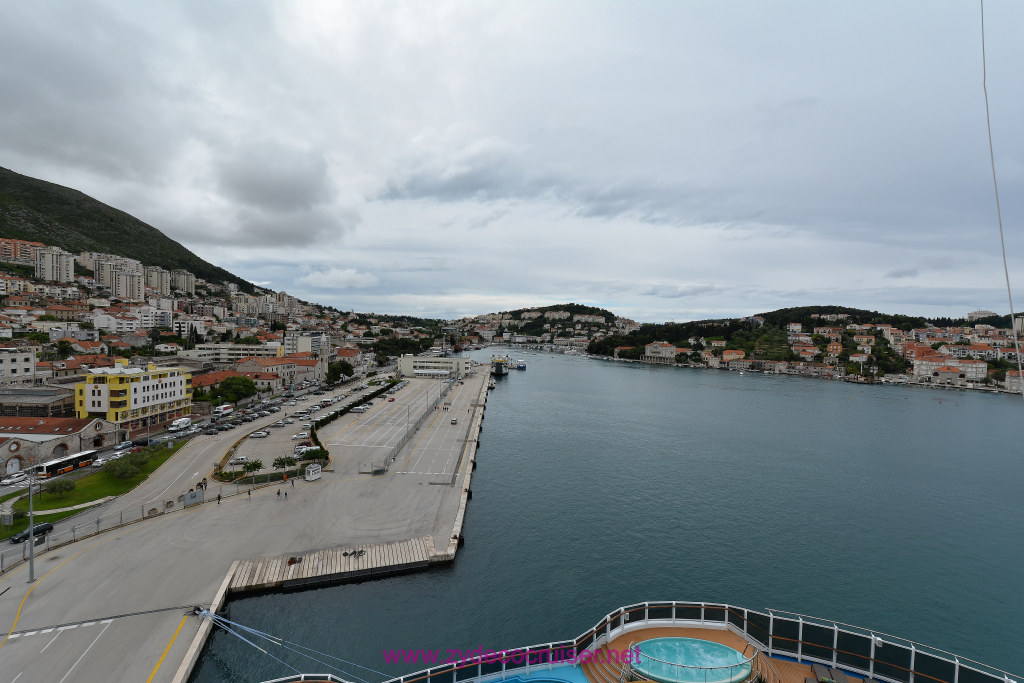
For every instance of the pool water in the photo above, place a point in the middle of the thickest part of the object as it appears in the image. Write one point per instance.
(690, 660)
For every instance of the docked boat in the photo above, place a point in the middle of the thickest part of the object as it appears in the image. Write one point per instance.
(499, 365)
(520, 364)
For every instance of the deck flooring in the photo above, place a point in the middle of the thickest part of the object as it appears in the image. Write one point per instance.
(332, 565)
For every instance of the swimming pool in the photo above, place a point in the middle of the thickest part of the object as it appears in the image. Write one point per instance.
(689, 660)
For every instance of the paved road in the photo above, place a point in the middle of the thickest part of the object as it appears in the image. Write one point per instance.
(85, 605)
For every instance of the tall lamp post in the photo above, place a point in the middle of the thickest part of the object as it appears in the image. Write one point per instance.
(31, 522)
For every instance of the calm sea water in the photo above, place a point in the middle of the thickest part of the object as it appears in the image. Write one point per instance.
(601, 484)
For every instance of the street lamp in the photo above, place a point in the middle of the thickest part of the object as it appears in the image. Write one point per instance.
(31, 522)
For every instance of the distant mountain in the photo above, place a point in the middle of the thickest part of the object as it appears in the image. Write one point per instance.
(33, 209)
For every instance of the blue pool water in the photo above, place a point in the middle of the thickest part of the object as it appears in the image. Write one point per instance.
(567, 673)
(689, 660)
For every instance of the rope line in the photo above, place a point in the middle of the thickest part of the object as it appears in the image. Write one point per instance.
(999, 211)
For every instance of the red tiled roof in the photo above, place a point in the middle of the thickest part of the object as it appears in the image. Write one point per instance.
(43, 425)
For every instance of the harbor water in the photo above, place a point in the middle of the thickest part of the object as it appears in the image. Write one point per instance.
(602, 484)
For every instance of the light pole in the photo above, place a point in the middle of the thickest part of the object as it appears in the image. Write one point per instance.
(31, 523)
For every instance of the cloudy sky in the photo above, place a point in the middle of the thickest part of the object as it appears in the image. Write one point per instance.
(668, 160)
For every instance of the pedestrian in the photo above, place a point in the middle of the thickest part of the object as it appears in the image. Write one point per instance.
(286, 495)
(279, 494)
(250, 494)
(293, 483)
(218, 499)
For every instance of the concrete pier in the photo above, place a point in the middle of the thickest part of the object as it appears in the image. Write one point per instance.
(121, 599)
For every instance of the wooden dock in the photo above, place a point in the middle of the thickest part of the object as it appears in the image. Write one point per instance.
(333, 565)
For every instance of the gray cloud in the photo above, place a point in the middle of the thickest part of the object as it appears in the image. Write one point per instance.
(275, 178)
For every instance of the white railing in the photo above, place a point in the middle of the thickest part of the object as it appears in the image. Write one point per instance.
(748, 624)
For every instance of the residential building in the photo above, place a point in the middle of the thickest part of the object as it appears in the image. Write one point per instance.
(16, 401)
(21, 251)
(17, 366)
(183, 281)
(660, 353)
(159, 280)
(135, 398)
(231, 353)
(54, 265)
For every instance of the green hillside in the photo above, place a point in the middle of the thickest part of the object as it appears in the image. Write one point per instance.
(32, 209)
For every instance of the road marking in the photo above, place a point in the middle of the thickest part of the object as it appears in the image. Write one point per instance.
(17, 677)
(68, 628)
(88, 623)
(47, 630)
(29, 633)
(84, 653)
(166, 650)
(50, 643)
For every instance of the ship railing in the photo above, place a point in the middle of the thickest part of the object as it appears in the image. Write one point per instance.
(863, 652)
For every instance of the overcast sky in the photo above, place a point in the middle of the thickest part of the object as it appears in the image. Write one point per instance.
(667, 160)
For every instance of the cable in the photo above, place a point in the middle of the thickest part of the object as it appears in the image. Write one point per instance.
(999, 211)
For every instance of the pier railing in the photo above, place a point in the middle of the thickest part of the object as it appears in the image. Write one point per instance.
(807, 639)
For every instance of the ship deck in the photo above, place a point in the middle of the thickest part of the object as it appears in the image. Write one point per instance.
(598, 671)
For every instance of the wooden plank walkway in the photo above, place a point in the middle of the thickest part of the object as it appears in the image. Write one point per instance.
(332, 565)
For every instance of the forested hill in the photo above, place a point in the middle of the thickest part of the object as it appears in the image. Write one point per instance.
(40, 211)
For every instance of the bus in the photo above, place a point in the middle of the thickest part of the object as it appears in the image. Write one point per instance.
(68, 463)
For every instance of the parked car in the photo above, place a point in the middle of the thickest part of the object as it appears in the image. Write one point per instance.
(259, 435)
(123, 446)
(455, 420)
(37, 530)
(211, 431)
(99, 462)
(301, 435)
(279, 423)
(14, 479)
(238, 460)
(391, 400)
(289, 421)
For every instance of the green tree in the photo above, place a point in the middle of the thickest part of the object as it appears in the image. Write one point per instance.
(234, 389)
(64, 349)
(60, 486)
(284, 462)
(122, 469)
(252, 466)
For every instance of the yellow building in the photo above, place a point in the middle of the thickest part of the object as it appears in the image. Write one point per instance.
(135, 398)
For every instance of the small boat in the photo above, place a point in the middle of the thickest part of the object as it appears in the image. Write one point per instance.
(520, 365)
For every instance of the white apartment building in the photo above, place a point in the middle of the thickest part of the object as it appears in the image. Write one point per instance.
(129, 285)
(230, 353)
(183, 281)
(159, 280)
(317, 344)
(55, 265)
(17, 366)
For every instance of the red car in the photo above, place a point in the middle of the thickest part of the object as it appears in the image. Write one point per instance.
(391, 399)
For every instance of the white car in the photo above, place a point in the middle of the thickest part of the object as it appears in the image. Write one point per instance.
(301, 435)
(289, 421)
(15, 478)
(99, 462)
(259, 435)
(307, 425)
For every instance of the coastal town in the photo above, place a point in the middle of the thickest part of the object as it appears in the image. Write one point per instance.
(71, 322)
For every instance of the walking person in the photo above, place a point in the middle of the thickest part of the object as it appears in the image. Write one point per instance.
(218, 499)
(286, 495)
(279, 494)
(293, 483)
(250, 494)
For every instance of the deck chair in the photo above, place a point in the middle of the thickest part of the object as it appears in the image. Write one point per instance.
(821, 673)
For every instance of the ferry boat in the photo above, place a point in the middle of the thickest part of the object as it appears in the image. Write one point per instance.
(499, 365)
(699, 642)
